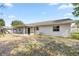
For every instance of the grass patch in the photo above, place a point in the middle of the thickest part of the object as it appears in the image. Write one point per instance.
(75, 35)
(48, 49)
(43, 36)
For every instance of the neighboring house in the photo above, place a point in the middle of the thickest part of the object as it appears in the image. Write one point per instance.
(6, 29)
(61, 27)
(74, 28)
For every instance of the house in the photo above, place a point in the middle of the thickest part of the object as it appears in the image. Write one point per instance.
(61, 27)
(5, 29)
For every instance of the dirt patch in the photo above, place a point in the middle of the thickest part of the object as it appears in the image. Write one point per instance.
(10, 41)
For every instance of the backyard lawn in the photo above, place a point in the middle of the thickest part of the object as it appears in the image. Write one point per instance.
(37, 45)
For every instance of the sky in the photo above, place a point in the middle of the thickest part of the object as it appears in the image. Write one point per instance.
(35, 12)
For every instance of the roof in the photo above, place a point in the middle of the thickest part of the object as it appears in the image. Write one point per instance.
(60, 21)
(51, 22)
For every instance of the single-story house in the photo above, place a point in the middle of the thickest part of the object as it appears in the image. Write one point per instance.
(61, 27)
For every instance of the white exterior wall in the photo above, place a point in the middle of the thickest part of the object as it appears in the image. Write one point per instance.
(64, 30)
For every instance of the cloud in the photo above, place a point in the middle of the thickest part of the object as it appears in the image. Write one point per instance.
(53, 4)
(68, 14)
(65, 6)
(8, 4)
(12, 17)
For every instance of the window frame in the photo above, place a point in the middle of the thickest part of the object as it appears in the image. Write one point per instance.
(37, 28)
(56, 28)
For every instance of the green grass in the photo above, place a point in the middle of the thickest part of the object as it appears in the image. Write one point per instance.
(75, 35)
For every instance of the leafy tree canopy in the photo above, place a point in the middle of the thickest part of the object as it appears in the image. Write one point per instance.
(2, 22)
(17, 23)
(76, 12)
(76, 9)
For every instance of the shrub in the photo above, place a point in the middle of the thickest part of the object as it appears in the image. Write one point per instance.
(75, 35)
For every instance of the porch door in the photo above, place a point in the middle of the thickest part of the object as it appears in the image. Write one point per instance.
(28, 30)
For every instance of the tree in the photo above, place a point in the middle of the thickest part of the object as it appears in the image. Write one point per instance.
(2, 23)
(16, 23)
(76, 9)
(2, 6)
(76, 12)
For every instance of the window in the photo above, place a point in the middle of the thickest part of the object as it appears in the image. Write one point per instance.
(37, 28)
(56, 28)
(19, 29)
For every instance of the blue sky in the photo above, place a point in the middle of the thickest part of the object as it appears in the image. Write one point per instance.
(35, 12)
